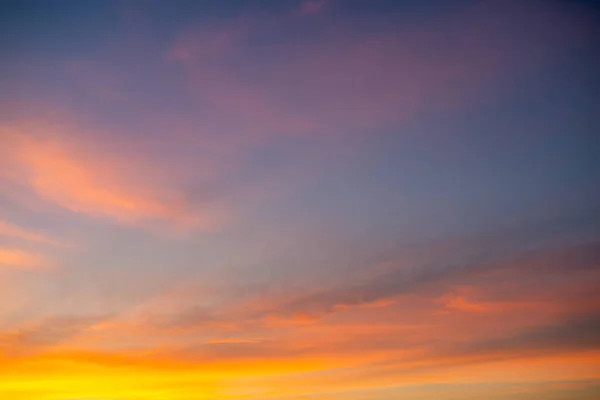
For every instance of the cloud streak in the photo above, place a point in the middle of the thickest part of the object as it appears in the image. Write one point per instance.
(60, 166)
(8, 229)
(348, 82)
(328, 167)
(16, 258)
(311, 7)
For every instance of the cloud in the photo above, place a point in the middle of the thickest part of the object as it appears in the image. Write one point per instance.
(578, 332)
(44, 334)
(350, 78)
(196, 318)
(445, 314)
(449, 293)
(234, 340)
(76, 171)
(311, 7)
(17, 258)
(245, 91)
(456, 320)
(564, 246)
(354, 348)
(456, 302)
(8, 229)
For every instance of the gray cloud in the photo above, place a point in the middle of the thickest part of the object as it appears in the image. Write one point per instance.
(536, 253)
(580, 332)
(46, 333)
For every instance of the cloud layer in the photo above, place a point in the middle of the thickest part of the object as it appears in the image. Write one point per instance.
(299, 200)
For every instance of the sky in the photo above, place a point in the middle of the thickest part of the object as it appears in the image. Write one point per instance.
(299, 200)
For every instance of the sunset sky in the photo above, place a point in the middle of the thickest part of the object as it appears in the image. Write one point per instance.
(299, 200)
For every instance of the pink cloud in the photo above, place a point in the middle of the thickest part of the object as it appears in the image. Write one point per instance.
(71, 168)
(8, 229)
(361, 80)
(17, 258)
(310, 7)
(244, 92)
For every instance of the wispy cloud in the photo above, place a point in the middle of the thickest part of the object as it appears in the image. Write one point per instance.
(311, 7)
(8, 229)
(454, 309)
(177, 127)
(350, 81)
(17, 258)
(44, 334)
(60, 166)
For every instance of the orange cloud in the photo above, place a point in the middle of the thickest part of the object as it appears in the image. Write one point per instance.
(234, 340)
(453, 301)
(398, 345)
(61, 166)
(20, 259)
